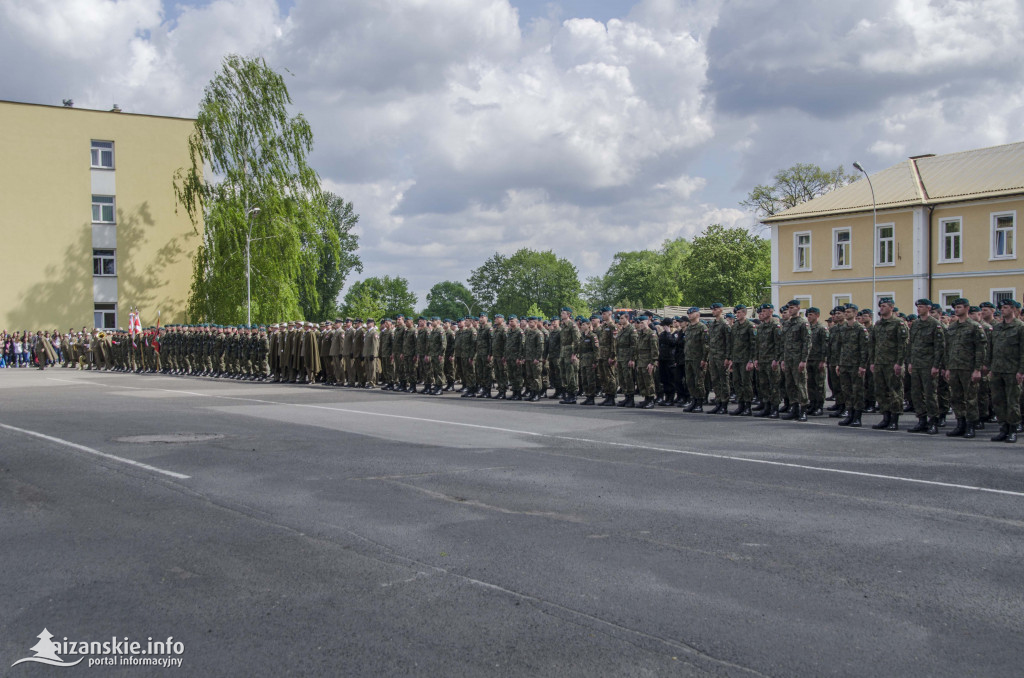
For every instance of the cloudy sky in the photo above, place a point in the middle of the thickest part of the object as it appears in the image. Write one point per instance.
(464, 127)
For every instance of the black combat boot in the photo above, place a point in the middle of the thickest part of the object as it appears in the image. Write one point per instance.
(468, 393)
(816, 411)
(774, 414)
(841, 413)
(622, 403)
(609, 401)
(856, 419)
(850, 416)
(979, 425)
(501, 394)
(647, 404)
(961, 427)
(568, 401)
(739, 409)
(792, 413)
(589, 401)
(933, 426)
(801, 413)
(535, 397)
(746, 410)
(784, 408)
(886, 418)
(968, 429)
(837, 407)
(763, 413)
(1019, 428)
(699, 407)
(922, 426)
(1004, 432)
(631, 400)
(1011, 436)
(941, 421)
(894, 423)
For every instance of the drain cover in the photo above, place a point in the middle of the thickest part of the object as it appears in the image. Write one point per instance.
(171, 438)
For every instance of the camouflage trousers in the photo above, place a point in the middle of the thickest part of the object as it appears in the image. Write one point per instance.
(888, 388)
(796, 382)
(588, 377)
(719, 379)
(555, 373)
(963, 394)
(606, 375)
(449, 369)
(515, 375)
(1006, 397)
(984, 396)
(468, 370)
(482, 369)
(695, 381)
(625, 378)
(501, 374)
(645, 379)
(743, 382)
(815, 383)
(768, 384)
(565, 378)
(533, 373)
(924, 392)
(853, 387)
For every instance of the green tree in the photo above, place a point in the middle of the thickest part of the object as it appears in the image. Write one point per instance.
(792, 186)
(379, 297)
(643, 278)
(450, 299)
(729, 265)
(514, 284)
(332, 270)
(261, 190)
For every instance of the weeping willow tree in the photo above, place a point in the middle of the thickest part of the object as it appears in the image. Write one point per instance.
(249, 183)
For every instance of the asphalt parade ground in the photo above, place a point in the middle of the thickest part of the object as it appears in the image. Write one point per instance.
(303, 530)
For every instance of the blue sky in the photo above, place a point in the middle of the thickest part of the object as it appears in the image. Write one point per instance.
(463, 127)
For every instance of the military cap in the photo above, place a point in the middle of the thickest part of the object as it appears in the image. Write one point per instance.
(848, 306)
(986, 304)
(666, 322)
(739, 307)
(730, 315)
(885, 300)
(793, 302)
(551, 320)
(566, 309)
(936, 307)
(694, 309)
(775, 315)
(868, 311)
(912, 316)
(923, 302)
(482, 315)
(498, 315)
(716, 305)
(606, 309)
(580, 319)
(640, 318)
(1007, 302)
(595, 316)
(512, 317)
(767, 306)
(447, 320)
(960, 301)
(814, 309)
(1016, 304)
(974, 309)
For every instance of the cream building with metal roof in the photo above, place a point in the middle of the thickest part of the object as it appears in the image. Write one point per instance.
(946, 227)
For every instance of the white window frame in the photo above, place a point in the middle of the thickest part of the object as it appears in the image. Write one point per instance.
(952, 294)
(835, 247)
(103, 309)
(101, 204)
(942, 240)
(844, 295)
(994, 217)
(97, 149)
(103, 256)
(878, 242)
(1012, 291)
(796, 252)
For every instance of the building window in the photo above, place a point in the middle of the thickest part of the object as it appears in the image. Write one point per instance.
(802, 251)
(102, 209)
(841, 299)
(1005, 293)
(1004, 232)
(946, 297)
(885, 250)
(841, 248)
(104, 262)
(879, 295)
(105, 316)
(950, 234)
(103, 154)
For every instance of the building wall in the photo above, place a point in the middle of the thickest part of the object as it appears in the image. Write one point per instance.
(46, 223)
(977, 275)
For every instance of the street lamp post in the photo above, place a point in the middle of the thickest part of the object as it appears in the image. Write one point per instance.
(874, 229)
(249, 213)
(468, 309)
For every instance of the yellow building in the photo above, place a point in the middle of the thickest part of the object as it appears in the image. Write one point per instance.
(946, 227)
(89, 228)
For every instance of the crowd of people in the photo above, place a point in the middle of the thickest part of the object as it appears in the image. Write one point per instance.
(968, 361)
(25, 349)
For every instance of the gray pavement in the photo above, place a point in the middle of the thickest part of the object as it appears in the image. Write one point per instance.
(296, 530)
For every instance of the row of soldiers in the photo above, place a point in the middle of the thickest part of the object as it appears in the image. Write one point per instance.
(777, 365)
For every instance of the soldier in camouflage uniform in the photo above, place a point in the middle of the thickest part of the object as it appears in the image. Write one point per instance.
(965, 355)
(409, 358)
(533, 358)
(852, 365)
(796, 346)
(553, 346)
(646, 360)
(889, 351)
(568, 345)
(606, 357)
(1006, 367)
(986, 318)
(925, 351)
(741, 360)
(625, 360)
(588, 352)
(465, 347)
(482, 361)
(696, 361)
(817, 363)
(719, 336)
(514, 340)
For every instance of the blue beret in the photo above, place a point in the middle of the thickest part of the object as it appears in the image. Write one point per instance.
(499, 315)
(694, 309)
(566, 309)
(716, 305)
(512, 317)
(606, 309)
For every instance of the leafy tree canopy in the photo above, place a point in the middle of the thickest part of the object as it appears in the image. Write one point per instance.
(449, 299)
(514, 284)
(794, 185)
(379, 297)
(728, 265)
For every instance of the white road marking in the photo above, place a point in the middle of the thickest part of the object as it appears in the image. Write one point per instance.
(651, 448)
(83, 448)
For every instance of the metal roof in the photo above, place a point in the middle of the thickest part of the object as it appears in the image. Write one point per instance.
(967, 175)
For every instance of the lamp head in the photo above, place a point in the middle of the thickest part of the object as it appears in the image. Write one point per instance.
(857, 167)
